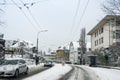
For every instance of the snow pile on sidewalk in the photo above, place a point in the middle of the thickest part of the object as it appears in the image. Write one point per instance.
(30, 62)
(107, 74)
(53, 73)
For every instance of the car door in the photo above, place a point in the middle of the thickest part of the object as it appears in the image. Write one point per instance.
(22, 66)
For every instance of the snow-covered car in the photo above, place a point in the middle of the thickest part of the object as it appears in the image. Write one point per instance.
(48, 64)
(13, 67)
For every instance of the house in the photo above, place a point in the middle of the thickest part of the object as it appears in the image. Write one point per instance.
(105, 33)
(23, 48)
(74, 52)
(62, 55)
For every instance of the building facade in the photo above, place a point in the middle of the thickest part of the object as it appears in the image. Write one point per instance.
(105, 33)
(74, 53)
(62, 55)
(50, 56)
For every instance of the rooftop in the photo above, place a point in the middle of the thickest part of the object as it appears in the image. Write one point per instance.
(102, 22)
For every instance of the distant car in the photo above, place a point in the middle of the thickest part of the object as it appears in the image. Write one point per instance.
(68, 62)
(48, 64)
(13, 67)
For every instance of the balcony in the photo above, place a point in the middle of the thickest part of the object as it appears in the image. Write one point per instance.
(116, 28)
(116, 40)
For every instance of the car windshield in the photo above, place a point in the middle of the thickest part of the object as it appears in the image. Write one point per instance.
(10, 62)
(1, 62)
(48, 62)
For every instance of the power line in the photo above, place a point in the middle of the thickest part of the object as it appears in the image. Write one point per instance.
(74, 19)
(30, 3)
(83, 12)
(34, 19)
(24, 14)
(31, 14)
(82, 16)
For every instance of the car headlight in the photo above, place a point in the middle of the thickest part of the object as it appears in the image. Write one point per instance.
(10, 68)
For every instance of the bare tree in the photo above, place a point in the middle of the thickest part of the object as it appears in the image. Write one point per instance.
(111, 7)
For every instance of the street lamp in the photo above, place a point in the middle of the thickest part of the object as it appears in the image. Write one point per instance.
(37, 38)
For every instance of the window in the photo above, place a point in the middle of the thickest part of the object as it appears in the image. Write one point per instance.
(102, 30)
(113, 35)
(99, 31)
(22, 61)
(78, 49)
(95, 34)
(79, 57)
(117, 23)
(117, 35)
(99, 41)
(78, 52)
(95, 43)
(102, 40)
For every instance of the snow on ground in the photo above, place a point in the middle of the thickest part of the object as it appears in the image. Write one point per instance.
(103, 73)
(14, 56)
(107, 74)
(85, 73)
(54, 73)
(31, 63)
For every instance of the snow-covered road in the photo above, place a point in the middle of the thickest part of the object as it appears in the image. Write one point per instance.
(78, 72)
(81, 72)
(107, 74)
(53, 73)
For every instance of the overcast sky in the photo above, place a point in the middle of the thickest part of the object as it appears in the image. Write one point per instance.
(56, 16)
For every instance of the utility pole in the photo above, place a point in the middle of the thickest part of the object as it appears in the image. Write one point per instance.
(37, 39)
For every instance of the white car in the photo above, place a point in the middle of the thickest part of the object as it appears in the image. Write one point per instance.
(13, 67)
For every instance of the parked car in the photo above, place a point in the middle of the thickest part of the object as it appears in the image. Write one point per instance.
(48, 64)
(13, 67)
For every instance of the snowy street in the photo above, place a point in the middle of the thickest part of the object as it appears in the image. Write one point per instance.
(81, 72)
(54, 73)
(69, 72)
(107, 74)
(59, 39)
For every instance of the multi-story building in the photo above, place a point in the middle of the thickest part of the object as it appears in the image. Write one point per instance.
(62, 55)
(74, 53)
(50, 56)
(105, 33)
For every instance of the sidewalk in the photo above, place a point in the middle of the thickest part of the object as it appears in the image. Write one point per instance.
(109, 67)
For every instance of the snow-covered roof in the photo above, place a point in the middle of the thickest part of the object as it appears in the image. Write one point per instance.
(27, 44)
(15, 45)
(14, 58)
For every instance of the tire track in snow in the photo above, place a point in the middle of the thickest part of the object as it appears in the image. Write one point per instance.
(80, 73)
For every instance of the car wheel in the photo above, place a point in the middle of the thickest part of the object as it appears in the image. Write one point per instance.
(16, 73)
(27, 71)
